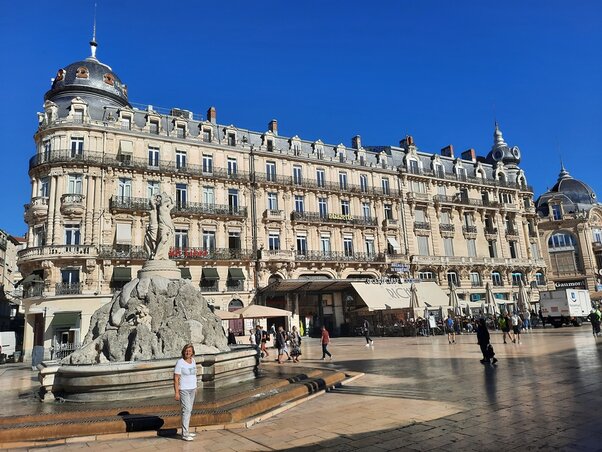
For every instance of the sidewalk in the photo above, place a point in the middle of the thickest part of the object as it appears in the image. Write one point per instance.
(425, 394)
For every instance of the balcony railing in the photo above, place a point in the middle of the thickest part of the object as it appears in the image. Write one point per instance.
(511, 231)
(234, 286)
(337, 256)
(445, 199)
(422, 225)
(122, 252)
(128, 161)
(444, 227)
(491, 231)
(316, 217)
(469, 229)
(141, 204)
(68, 288)
(220, 254)
(58, 250)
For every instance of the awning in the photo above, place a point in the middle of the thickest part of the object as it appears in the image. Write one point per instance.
(123, 235)
(126, 147)
(185, 273)
(254, 311)
(122, 274)
(226, 315)
(397, 296)
(236, 274)
(393, 242)
(210, 274)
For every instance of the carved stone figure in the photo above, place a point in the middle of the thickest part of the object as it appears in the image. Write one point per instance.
(160, 229)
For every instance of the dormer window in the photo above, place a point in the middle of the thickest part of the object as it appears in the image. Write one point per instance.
(270, 145)
(556, 212)
(461, 173)
(181, 131)
(439, 170)
(126, 123)
(413, 166)
(82, 72)
(342, 156)
(78, 115)
(207, 136)
(109, 79)
(231, 139)
(154, 127)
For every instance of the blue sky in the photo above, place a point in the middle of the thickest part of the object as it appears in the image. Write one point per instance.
(438, 70)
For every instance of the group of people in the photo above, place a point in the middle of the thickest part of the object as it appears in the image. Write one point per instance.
(513, 325)
(286, 342)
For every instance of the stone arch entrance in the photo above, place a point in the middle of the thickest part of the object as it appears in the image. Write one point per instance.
(236, 325)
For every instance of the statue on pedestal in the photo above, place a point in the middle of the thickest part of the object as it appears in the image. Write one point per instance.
(160, 228)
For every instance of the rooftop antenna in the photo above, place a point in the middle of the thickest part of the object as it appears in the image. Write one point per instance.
(93, 43)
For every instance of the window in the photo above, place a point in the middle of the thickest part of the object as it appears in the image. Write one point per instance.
(181, 131)
(270, 145)
(342, 156)
(369, 246)
(423, 245)
(513, 249)
(461, 173)
(181, 195)
(78, 116)
(492, 248)
(77, 147)
(125, 188)
(475, 279)
(413, 167)
(420, 215)
(363, 183)
(348, 246)
(74, 185)
(70, 276)
(471, 245)
(385, 185)
(299, 203)
(126, 123)
(231, 139)
(270, 170)
(325, 244)
(343, 181)
(47, 149)
(506, 198)
(232, 166)
(272, 201)
(72, 234)
(439, 170)
(207, 135)
(445, 217)
(323, 207)
(234, 240)
(366, 210)
(39, 236)
(44, 187)
(274, 241)
(561, 240)
(154, 127)
(344, 207)
(596, 235)
(496, 279)
(452, 278)
(556, 212)
(181, 238)
(153, 156)
(208, 195)
(441, 190)
(320, 177)
(207, 163)
(152, 188)
(297, 175)
(180, 159)
(418, 187)
(302, 245)
(209, 240)
(448, 246)
(233, 200)
(388, 211)
(540, 279)
(426, 276)
(468, 220)
(296, 149)
(535, 251)
(517, 277)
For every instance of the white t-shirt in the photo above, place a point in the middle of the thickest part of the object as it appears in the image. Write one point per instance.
(187, 373)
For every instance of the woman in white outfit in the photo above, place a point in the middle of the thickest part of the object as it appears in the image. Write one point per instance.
(184, 382)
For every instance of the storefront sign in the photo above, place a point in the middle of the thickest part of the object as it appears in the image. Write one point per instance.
(381, 281)
(400, 268)
(571, 284)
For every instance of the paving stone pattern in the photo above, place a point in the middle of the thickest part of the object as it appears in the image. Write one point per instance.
(424, 394)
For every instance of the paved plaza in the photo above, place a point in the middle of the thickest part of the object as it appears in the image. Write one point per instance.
(420, 394)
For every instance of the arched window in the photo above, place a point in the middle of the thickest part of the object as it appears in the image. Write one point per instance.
(561, 240)
(452, 278)
(540, 279)
(475, 279)
(564, 253)
(517, 277)
(496, 279)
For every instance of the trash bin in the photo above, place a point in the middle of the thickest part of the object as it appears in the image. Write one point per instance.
(17, 357)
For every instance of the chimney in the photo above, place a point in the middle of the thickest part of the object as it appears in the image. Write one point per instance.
(407, 141)
(212, 115)
(356, 142)
(470, 154)
(448, 151)
(273, 126)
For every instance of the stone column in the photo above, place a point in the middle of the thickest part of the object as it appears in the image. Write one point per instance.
(88, 223)
(97, 212)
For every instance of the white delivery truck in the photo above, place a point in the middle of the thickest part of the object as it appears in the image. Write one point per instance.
(8, 345)
(565, 306)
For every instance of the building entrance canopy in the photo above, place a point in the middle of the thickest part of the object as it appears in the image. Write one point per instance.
(375, 296)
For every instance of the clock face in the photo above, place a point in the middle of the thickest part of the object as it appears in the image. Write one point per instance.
(516, 152)
(498, 155)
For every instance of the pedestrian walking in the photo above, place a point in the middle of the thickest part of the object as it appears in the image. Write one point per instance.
(451, 331)
(504, 325)
(280, 342)
(484, 341)
(295, 340)
(265, 337)
(184, 382)
(595, 317)
(366, 330)
(231, 337)
(325, 342)
(252, 340)
(517, 324)
(527, 320)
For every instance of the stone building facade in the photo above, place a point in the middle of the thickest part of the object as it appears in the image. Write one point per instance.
(253, 208)
(570, 227)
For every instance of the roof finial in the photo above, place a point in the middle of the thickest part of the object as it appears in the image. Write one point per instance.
(93, 43)
(564, 174)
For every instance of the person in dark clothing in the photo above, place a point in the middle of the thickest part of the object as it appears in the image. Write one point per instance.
(231, 337)
(281, 344)
(366, 330)
(483, 339)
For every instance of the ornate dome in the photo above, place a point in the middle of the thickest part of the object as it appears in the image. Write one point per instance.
(501, 152)
(91, 80)
(574, 194)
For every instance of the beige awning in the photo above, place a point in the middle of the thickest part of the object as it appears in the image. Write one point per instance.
(394, 243)
(126, 147)
(226, 315)
(123, 234)
(397, 296)
(256, 311)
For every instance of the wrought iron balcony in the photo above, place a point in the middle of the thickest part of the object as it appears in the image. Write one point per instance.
(235, 285)
(219, 254)
(469, 229)
(445, 227)
(422, 225)
(122, 252)
(142, 204)
(512, 231)
(490, 231)
(129, 203)
(337, 256)
(464, 200)
(336, 218)
(68, 288)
